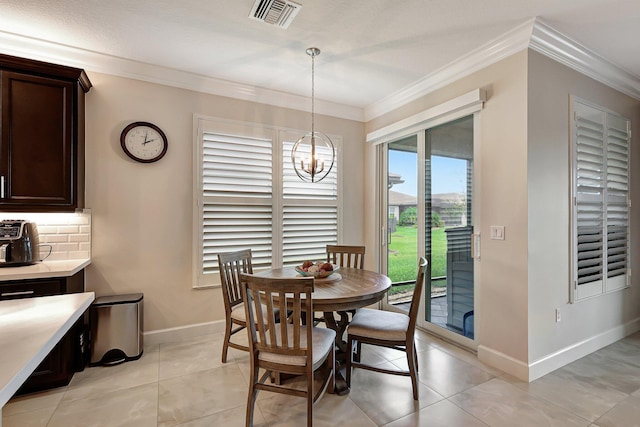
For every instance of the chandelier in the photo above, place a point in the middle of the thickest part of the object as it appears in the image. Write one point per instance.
(313, 155)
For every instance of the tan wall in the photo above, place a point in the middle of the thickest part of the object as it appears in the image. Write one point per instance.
(501, 308)
(550, 85)
(142, 213)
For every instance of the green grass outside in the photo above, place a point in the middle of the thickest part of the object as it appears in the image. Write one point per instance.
(403, 255)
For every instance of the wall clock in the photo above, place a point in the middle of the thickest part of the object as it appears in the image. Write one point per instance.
(144, 142)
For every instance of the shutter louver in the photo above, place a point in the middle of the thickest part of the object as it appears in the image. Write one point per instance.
(237, 198)
(306, 232)
(235, 166)
(601, 212)
(589, 200)
(617, 200)
(235, 227)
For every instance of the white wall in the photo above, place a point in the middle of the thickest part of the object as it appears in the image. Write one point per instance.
(142, 213)
(595, 322)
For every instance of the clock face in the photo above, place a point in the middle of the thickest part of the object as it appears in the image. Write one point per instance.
(143, 142)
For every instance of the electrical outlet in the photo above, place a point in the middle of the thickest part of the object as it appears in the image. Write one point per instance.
(558, 315)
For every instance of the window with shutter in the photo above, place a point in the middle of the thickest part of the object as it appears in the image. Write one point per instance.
(240, 206)
(600, 217)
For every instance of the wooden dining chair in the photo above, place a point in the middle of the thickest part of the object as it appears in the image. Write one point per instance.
(346, 256)
(231, 264)
(293, 346)
(387, 329)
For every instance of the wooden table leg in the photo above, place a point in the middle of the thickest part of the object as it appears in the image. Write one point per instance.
(340, 327)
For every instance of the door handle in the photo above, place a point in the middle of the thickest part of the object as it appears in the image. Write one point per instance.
(12, 294)
(475, 245)
(2, 186)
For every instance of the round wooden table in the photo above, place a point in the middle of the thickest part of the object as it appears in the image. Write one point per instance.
(355, 289)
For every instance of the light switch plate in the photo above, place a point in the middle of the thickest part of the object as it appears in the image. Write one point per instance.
(497, 232)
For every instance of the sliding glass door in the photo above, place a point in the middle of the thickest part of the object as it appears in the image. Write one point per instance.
(429, 204)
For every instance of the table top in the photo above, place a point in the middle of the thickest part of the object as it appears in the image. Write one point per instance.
(44, 269)
(29, 329)
(357, 288)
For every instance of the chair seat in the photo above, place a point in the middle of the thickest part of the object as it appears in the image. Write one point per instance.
(378, 324)
(238, 313)
(323, 342)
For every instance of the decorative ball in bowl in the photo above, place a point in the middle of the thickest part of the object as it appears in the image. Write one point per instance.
(319, 270)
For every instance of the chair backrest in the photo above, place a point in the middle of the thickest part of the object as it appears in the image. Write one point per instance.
(346, 256)
(266, 299)
(417, 291)
(231, 264)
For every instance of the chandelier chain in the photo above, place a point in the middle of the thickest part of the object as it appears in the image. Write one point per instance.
(313, 90)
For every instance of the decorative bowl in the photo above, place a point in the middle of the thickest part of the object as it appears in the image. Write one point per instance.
(317, 274)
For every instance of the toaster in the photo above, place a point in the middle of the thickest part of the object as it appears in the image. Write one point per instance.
(19, 243)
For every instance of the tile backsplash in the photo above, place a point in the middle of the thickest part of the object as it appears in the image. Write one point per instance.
(68, 234)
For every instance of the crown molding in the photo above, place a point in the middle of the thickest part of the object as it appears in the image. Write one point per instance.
(42, 50)
(564, 50)
(496, 50)
(533, 34)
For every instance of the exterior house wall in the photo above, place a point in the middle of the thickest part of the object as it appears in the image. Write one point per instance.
(142, 213)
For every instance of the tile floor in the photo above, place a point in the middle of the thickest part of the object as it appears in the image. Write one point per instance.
(185, 384)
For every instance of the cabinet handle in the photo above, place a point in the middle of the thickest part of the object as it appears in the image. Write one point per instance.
(11, 294)
(1, 186)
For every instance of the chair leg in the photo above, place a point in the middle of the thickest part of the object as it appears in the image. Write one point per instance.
(310, 395)
(332, 366)
(415, 351)
(253, 393)
(349, 359)
(358, 351)
(413, 363)
(225, 344)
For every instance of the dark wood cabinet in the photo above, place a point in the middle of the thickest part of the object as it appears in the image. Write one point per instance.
(42, 141)
(57, 369)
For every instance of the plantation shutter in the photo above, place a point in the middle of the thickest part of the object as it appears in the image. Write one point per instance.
(310, 212)
(618, 139)
(236, 197)
(601, 206)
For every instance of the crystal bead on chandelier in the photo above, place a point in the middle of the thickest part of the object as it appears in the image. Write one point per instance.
(313, 155)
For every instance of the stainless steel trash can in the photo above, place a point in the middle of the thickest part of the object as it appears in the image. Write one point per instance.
(116, 329)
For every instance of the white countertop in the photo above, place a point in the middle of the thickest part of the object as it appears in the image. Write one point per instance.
(29, 329)
(44, 269)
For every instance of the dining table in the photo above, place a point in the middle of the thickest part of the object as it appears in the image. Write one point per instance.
(346, 289)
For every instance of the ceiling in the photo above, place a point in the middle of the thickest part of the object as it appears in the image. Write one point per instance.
(370, 49)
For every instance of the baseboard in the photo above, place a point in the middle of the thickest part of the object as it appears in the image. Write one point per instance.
(182, 333)
(553, 361)
(504, 362)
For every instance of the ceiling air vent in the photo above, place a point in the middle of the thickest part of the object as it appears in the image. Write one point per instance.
(275, 12)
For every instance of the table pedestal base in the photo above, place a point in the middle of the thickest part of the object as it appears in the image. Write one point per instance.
(340, 327)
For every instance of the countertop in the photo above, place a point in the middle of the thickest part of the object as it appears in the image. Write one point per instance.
(29, 329)
(44, 269)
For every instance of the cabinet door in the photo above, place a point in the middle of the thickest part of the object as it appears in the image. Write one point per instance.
(37, 153)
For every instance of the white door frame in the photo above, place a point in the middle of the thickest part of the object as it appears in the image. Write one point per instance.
(468, 104)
